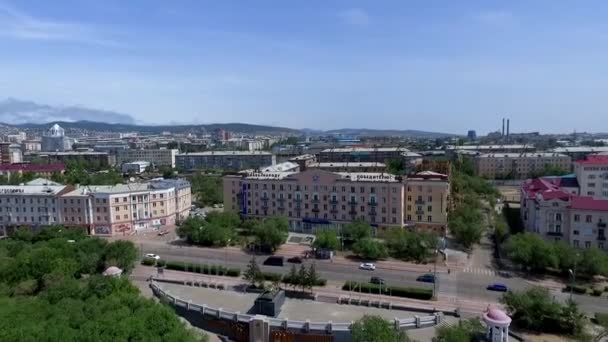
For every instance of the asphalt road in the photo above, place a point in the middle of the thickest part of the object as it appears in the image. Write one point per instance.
(460, 285)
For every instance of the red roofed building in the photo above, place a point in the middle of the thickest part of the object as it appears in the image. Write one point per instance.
(44, 170)
(572, 208)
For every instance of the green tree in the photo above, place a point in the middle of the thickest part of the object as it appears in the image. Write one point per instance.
(530, 251)
(396, 167)
(253, 273)
(357, 230)
(207, 189)
(371, 249)
(302, 275)
(371, 328)
(121, 254)
(217, 229)
(465, 331)
(292, 276)
(312, 277)
(327, 239)
(408, 245)
(271, 233)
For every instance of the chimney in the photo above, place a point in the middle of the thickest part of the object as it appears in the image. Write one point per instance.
(508, 129)
(503, 127)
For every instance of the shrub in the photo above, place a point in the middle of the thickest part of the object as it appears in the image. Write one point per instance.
(581, 289)
(148, 262)
(269, 276)
(161, 263)
(596, 292)
(202, 268)
(288, 280)
(395, 291)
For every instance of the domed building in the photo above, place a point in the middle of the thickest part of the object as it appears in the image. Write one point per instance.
(55, 140)
(498, 323)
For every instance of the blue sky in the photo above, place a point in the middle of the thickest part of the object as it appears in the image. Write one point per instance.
(432, 65)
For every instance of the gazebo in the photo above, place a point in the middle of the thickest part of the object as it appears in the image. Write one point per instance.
(112, 271)
(498, 325)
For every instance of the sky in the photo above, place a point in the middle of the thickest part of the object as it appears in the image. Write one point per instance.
(444, 66)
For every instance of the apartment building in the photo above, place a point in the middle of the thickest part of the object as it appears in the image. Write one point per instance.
(157, 157)
(554, 208)
(592, 174)
(225, 160)
(580, 152)
(349, 167)
(99, 158)
(317, 199)
(361, 154)
(427, 201)
(518, 165)
(453, 150)
(44, 170)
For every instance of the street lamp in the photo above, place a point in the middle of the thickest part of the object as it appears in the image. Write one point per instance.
(572, 272)
(435, 274)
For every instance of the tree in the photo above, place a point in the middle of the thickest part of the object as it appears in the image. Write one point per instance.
(207, 189)
(121, 254)
(292, 276)
(357, 230)
(408, 245)
(312, 278)
(217, 229)
(376, 329)
(253, 273)
(271, 233)
(302, 275)
(535, 309)
(466, 224)
(327, 239)
(396, 167)
(465, 331)
(371, 249)
(530, 251)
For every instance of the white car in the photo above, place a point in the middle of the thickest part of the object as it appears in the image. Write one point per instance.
(367, 266)
(152, 256)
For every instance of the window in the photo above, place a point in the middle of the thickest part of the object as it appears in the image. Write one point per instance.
(588, 218)
(555, 204)
(558, 217)
(118, 217)
(393, 210)
(429, 218)
(429, 208)
(430, 198)
(577, 218)
(419, 218)
(575, 243)
(587, 244)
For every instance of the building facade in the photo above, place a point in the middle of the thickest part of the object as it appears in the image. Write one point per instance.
(592, 175)
(349, 167)
(427, 199)
(157, 157)
(225, 160)
(317, 199)
(101, 159)
(519, 165)
(136, 167)
(361, 154)
(43, 170)
(55, 140)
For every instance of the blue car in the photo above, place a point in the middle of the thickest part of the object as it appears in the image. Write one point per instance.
(498, 287)
(426, 278)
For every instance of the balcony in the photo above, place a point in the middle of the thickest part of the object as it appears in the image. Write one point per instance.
(265, 198)
(265, 206)
(315, 200)
(298, 199)
(352, 212)
(351, 202)
(601, 224)
(372, 213)
(372, 203)
(555, 234)
(419, 202)
(281, 199)
(333, 210)
(315, 210)
(419, 212)
(333, 201)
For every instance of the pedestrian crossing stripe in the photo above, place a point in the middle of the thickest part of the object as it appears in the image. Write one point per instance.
(481, 271)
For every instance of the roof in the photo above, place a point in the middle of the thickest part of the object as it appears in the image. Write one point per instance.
(31, 189)
(369, 177)
(523, 155)
(346, 164)
(594, 159)
(285, 166)
(580, 149)
(364, 149)
(303, 157)
(489, 147)
(55, 167)
(427, 175)
(42, 181)
(589, 203)
(547, 188)
(225, 153)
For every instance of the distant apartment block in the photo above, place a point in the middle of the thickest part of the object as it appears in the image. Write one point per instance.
(304, 160)
(99, 158)
(454, 150)
(317, 199)
(519, 165)
(580, 152)
(136, 167)
(156, 157)
(225, 160)
(361, 154)
(349, 167)
(592, 175)
(43, 170)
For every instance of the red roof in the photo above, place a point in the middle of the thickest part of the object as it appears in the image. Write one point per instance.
(589, 203)
(56, 167)
(594, 159)
(545, 187)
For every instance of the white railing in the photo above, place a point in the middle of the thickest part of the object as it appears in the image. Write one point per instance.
(406, 323)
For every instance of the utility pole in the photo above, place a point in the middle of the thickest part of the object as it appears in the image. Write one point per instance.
(435, 275)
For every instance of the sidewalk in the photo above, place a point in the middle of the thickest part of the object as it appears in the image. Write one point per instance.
(443, 303)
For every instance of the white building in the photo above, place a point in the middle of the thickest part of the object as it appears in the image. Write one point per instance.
(156, 157)
(136, 167)
(55, 140)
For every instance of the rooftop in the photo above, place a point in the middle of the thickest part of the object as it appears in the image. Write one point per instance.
(523, 155)
(281, 167)
(580, 149)
(594, 160)
(364, 149)
(31, 189)
(489, 147)
(369, 177)
(428, 175)
(347, 164)
(225, 153)
(303, 157)
(55, 167)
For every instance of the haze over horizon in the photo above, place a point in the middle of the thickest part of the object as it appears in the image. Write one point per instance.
(344, 64)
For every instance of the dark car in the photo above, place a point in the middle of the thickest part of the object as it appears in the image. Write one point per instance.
(295, 260)
(426, 278)
(498, 287)
(377, 280)
(274, 261)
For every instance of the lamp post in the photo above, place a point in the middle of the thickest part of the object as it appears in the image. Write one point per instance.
(435, 275)
(572, 272)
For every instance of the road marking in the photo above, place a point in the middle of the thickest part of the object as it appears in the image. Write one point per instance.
(481, 271)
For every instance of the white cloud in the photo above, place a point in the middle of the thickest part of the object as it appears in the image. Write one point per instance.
(495, 17)
(355, 16)
(16, 24)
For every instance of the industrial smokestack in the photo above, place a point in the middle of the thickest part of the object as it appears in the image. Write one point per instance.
(503, 127)
(508, 129)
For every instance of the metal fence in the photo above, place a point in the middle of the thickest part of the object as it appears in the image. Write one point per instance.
(328, 327)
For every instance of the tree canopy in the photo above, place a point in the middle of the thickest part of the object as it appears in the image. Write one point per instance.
(465, 331)
(357, 230)
(45, 295)
(208, 189)
(371, 328)
(216, 229)
(408, 245)
(271, 233)
(371, 249)
(327, 239)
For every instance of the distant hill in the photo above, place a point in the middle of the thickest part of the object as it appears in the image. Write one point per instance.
(156, 129)
(13, 111)
(389, 132)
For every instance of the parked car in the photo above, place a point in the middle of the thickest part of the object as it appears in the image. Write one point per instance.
(497, 287)
(367, 266)
(163, 232)
(274, 261)
(377, 280)
(153, 256)
(295, 260)
(426, 278)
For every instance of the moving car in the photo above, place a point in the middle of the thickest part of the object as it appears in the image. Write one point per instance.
(295, 260)
(498, 287)
(377, 280)
(426, 278)
(367, 266)
(163, 232)
(274, 261)
(153, 256)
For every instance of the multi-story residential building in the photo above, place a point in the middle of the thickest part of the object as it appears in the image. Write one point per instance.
(316, 199)
(31, 146)
(99, 158)
(125, 208)
(349, 167)
(519, 165)
(43, 170)
(361, 154)
(10, 153)
(226, 160)
(592, 175)
(55, 140)
(427, 201)
(554, 208)
(136, 167)
(580, 152)
(453, 150)
(304, 160)
(157, 157)
(101, 210)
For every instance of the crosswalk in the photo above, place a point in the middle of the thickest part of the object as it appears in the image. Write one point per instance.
(480, 271)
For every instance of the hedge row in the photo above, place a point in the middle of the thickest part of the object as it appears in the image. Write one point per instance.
(195, 268)
(408, 292)
(274, 277)
(288, 280)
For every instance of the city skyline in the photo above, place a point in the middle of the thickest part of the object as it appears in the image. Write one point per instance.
(314, 65)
